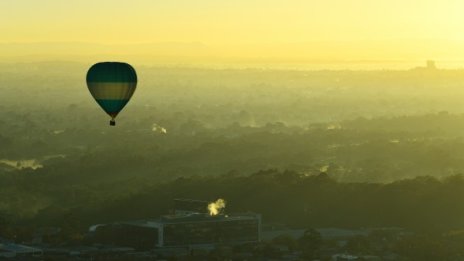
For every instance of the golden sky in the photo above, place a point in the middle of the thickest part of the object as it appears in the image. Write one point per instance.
(420, 28)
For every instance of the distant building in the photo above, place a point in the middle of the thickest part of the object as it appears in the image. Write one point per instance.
(326, 233)
(430, 65)
(181, 231)
(11, 250)
(346, 257)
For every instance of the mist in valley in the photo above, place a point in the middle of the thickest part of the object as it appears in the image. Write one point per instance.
(308, 148)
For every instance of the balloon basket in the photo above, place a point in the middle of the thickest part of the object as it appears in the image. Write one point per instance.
(112, 123)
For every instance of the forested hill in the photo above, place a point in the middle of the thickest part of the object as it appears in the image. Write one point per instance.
(298, 200)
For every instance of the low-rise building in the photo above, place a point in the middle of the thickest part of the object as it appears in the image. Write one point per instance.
(11, 250)
(195, 229)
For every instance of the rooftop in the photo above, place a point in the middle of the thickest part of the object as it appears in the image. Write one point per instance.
(190, 218)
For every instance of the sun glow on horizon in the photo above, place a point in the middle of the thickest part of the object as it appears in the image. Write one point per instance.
(394, 29)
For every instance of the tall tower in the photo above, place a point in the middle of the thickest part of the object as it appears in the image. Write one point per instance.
(430, 65)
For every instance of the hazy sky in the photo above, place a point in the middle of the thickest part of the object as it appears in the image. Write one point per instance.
(238, 22)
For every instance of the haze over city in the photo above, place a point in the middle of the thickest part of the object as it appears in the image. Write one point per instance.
(231, 130)
(272, 31)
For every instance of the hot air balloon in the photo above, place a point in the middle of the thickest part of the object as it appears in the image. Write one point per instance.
(112, 84)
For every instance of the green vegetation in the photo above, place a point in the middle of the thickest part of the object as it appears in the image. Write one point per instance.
(308, 149)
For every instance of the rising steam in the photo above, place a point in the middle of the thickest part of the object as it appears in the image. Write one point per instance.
(216, 207)
(159, 129)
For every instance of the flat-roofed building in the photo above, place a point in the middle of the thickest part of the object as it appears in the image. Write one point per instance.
(181, 231)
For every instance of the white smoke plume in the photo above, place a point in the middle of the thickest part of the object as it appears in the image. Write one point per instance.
(216, 207)
(159, 129)
(324, 169)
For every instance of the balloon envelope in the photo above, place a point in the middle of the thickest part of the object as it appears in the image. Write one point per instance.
(112, 84)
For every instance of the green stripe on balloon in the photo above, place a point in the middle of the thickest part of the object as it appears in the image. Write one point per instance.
(112, 106)
(111, 72)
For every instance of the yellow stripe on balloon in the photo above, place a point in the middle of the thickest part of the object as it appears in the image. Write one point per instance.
(112, 90)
